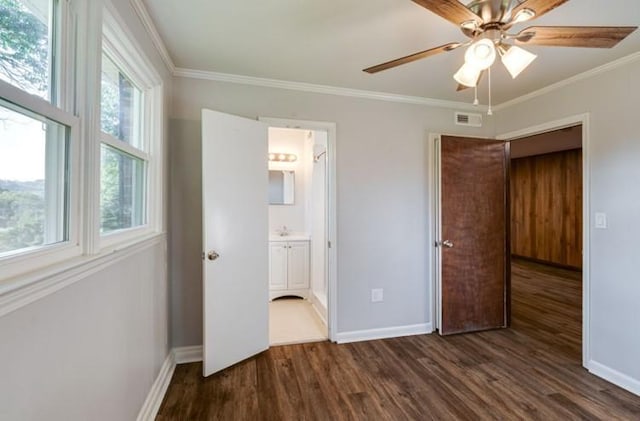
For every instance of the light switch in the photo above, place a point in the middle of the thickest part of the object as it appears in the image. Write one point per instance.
(377, 295)
(601, 220)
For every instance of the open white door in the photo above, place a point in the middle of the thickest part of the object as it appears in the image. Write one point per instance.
(235, 229)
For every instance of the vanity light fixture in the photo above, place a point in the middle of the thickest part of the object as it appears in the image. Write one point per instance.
(282, 157)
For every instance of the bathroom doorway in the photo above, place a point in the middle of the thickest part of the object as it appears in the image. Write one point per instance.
(299, 233)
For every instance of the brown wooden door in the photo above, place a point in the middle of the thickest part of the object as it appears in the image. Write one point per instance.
(474, 217)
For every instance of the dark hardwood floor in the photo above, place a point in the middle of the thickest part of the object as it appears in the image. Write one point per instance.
(547, 305)
(530, 371)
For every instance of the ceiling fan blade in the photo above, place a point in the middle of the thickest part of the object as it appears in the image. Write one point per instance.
(539, 6)
(452, 10)
(462, 87)
(574, 36)
(413, 57)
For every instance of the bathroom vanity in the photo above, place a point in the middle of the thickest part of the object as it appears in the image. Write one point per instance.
(288, 266)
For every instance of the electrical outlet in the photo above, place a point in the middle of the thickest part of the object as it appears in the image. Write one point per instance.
(601, 220)
(377, 295)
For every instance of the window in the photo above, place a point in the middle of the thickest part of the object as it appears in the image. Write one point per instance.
(123, 162)
(49, 190)
(38, 193)
(25, 45)
(130, 127)
(33, 180)
(120, 104)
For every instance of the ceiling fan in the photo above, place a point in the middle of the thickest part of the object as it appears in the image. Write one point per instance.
(487, 22)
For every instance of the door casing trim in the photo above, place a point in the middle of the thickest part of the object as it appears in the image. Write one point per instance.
(332, 233)
(562, 123)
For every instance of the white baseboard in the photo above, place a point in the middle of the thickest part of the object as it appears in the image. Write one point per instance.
(183, 355)
(614, 376)
(187, 354)
(319, 307)
(159, 387)
(383, 333)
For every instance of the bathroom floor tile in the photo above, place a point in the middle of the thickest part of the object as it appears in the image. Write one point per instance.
(293, 321)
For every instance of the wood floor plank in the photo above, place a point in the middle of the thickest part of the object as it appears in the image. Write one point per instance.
(531, 371)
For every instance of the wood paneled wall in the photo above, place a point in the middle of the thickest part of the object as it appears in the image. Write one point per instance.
(546, 207)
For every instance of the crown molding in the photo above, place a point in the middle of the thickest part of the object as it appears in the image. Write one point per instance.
(153, 33)
(566, 82)
(406, 99)
(322, 89)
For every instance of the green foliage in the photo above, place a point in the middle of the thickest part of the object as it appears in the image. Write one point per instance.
(111, 210)
(117, 169)
(109, 106)
(21, 219)
(24, 48)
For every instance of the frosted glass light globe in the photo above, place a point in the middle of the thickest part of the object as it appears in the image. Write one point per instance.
(481, 54)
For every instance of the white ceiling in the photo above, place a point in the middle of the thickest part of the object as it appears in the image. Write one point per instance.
(330, 42)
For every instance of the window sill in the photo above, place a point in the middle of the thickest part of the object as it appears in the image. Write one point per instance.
(115, 240)
(22, 290)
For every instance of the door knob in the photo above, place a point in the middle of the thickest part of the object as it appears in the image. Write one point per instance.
(212, 255)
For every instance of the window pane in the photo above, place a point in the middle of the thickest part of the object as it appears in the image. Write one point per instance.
(122, 185)
(120, 105)
(33, 175)
(25, 59)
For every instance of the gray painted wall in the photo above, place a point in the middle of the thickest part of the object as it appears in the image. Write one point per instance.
(383, 198)
(614, 156)
(90, 351)
(185, 227)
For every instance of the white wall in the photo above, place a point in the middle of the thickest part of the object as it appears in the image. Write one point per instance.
(614, 158)
(292, 216)
(317, 219)
(383, 195)
(93, 349)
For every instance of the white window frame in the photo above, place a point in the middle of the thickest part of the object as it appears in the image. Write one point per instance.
(118, 43)
(22, 261)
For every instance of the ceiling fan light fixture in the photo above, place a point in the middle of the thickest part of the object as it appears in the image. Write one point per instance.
(468, 75)
(516, 59)
(523, 16)
(481, 54)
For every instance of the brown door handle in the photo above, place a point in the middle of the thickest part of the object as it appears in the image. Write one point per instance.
(212, 255)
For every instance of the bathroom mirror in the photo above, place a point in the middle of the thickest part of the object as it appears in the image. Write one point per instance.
(281, 187)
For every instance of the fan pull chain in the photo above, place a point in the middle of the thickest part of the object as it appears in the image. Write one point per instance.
(489, 111)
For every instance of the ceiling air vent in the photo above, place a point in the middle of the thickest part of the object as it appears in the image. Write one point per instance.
(467, 119)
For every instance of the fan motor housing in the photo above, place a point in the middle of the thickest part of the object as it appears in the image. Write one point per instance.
(493, 11)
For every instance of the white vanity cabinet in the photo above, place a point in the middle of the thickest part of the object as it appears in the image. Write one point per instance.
(288, 268)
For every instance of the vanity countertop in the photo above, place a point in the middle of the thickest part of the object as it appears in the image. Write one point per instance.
(294, 236)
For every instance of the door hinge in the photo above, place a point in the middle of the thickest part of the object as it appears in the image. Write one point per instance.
(329, 244)
(203, 255)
